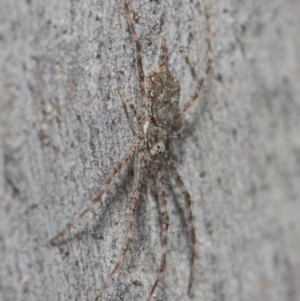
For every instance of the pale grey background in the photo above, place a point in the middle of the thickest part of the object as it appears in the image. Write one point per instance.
(63, 128)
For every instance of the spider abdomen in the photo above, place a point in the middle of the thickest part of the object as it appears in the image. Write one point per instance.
(162, 93)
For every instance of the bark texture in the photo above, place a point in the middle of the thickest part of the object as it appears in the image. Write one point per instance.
(63, 128)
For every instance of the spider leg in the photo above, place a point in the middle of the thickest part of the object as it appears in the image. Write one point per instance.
(163, 57)
(178, 134)
(208, 66)
(103, 189)
(165, 225)
(134, 203)
(130, 105)
(187, 199)
(138, 50)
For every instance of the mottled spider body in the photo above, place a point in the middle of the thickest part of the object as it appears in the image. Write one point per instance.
(158, 117)
(162, 93)
(162, 96)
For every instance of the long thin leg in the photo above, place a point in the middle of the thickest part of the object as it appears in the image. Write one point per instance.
(165, 224)
(138, 50)
(187, 200)
(208, 66)
(178, 134)
(103, 189)
(163, 57)
(134, 203)
(130, 105)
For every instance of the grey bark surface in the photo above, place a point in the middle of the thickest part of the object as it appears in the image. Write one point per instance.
(63, 128)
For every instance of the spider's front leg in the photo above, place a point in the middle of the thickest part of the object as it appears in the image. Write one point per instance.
(164, 225)
(103, 189)
(178, 133)
(187, 199)
(134, 204)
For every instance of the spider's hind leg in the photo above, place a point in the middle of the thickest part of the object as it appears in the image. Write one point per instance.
(190, 102)
(138, 49)
(130, 105)
(163, 57)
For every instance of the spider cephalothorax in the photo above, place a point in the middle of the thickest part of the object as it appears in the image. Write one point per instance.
(156, 139)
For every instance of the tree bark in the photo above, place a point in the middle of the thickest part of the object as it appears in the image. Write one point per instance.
(63, 128)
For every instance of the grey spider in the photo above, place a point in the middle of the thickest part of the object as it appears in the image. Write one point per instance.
(157, 117)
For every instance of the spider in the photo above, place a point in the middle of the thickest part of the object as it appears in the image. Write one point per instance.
(158, 119)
